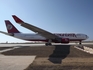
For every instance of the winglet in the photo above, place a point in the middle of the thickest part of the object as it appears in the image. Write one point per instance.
(17, 19)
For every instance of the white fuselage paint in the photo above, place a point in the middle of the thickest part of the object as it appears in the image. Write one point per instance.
(71, 36)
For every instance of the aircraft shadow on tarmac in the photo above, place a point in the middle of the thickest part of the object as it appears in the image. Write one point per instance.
(55, 53)
(60, 52)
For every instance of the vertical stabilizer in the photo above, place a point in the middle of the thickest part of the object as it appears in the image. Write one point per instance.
(10, 27)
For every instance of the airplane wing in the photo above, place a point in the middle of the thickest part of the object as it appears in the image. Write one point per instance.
(35, 29)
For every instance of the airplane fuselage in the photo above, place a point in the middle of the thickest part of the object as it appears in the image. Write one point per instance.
(37, 37)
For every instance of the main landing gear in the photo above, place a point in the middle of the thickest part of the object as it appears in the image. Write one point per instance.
(80, 43)
(48, 43)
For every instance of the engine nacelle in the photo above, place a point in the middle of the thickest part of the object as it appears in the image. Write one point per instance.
(65, 40)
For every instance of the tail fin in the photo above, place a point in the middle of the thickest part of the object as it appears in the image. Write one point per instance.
(17, 19)
(10, 27)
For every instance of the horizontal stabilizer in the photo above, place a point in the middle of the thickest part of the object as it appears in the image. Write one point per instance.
(9, 34)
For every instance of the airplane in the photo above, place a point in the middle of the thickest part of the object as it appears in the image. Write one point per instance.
(41, 34)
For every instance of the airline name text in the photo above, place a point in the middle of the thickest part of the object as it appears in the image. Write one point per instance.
(68, 35)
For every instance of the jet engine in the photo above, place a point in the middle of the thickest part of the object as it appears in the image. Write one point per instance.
(61, 40)
(65, 40)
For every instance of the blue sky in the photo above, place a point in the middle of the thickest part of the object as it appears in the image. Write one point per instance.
(64, 16)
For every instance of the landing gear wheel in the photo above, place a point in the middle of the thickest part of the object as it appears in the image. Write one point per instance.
(47, 44)
(80, 43)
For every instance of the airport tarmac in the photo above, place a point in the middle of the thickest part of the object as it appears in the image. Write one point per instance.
(41, 44)
(40, 57)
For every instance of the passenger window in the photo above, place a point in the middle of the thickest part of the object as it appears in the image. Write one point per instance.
(78, 35)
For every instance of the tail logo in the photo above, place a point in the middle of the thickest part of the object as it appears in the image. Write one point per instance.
(9, 27)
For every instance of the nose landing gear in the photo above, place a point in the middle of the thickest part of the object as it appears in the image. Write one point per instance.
(80, 45)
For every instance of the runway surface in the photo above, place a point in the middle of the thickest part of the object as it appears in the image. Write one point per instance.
(40, 57)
